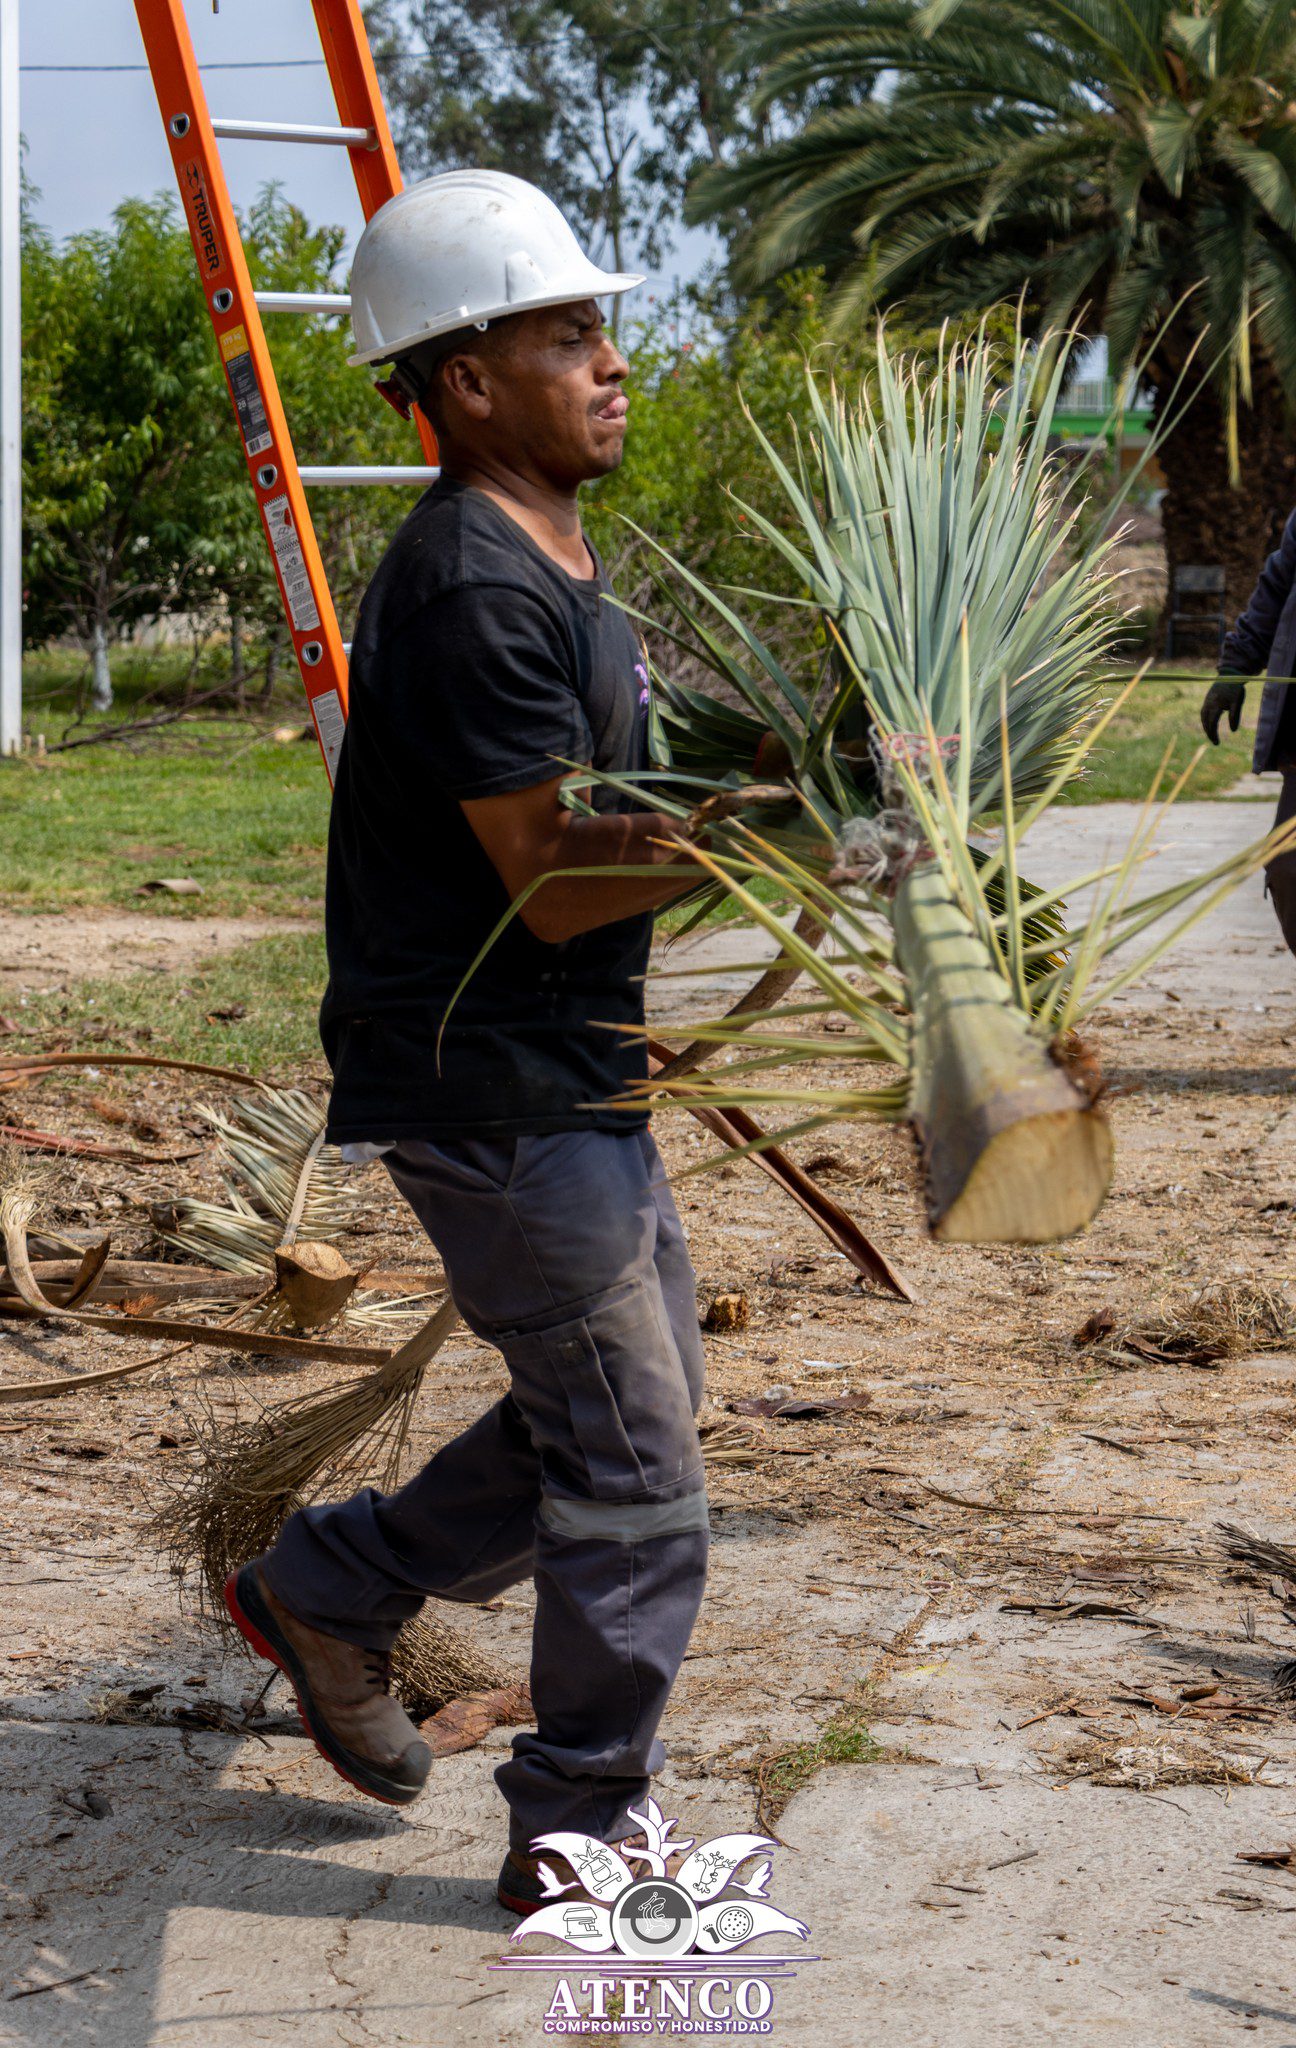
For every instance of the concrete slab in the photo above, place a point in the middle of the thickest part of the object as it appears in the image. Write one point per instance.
(1234, 962)
(1113, 1915)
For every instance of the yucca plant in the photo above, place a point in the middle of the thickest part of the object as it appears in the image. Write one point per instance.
(968, 633)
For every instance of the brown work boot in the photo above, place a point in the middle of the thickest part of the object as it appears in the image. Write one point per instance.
(343, 1694)
(521, 1888)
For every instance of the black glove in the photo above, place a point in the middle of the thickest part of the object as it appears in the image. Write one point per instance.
(1224, 695)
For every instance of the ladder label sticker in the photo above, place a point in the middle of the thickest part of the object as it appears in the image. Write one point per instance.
(201, 223)
(286, 542)
(330, 726)
(248, 403)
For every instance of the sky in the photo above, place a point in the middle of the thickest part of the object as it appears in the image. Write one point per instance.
(95, 138)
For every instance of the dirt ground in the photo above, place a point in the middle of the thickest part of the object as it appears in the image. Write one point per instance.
(1003, 1562)
(43, 950)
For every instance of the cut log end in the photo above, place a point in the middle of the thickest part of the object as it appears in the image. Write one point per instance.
(1038, 1179)
(314, 1282)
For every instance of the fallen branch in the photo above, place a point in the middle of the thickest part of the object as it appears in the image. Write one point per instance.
(126, 732)
(39, 1062)
(265, 1341)
(741, 1132)
(86, 1148)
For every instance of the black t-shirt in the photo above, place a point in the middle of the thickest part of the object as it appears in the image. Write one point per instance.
(478, 666)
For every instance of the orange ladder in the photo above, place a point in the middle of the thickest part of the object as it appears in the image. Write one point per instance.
(278, 481)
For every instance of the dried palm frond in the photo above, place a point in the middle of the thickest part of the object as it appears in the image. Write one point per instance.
(242, 1483)
(281, 1180)
(433, 1664)
(1276, 1560)
(1146, 1766)
(1228, 1319)
(1277, 1563)
(728, 1442)
(967, 621)
(22, 1183)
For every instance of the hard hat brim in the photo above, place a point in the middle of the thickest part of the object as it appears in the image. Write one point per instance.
(605, 284)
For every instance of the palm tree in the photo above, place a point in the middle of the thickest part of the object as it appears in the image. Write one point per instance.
(1127, 165)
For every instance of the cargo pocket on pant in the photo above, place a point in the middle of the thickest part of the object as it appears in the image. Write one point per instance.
(606, 1398)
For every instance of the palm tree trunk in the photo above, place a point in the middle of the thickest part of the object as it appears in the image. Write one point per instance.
(1206, 518)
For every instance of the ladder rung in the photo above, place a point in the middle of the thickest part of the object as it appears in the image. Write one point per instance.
(293, 131)
(303, 302)
(370, 473)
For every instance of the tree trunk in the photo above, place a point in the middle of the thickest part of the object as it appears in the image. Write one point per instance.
(1204, 517)
(101, 689)
(238, 674)
(274, 650)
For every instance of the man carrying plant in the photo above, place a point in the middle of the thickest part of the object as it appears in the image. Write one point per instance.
(480, 1053)
(1263, 642)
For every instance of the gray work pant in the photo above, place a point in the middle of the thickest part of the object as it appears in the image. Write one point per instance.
(566, 1252)
(1280, 875)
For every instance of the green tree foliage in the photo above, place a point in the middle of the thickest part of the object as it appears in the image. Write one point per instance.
(138, 501)
(1129, 165)
(136, 497)
(127, 498)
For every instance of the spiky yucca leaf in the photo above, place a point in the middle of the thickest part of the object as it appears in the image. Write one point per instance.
(935, 545)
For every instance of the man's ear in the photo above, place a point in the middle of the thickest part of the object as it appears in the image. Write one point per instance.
(468, 382)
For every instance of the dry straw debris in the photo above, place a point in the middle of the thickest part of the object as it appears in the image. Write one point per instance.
(1228, 1319)
(1149, 1766)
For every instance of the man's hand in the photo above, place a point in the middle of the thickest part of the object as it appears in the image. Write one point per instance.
(1225, 695)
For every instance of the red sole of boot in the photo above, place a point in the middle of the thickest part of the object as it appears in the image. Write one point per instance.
(524, 1908)
(253, 1635)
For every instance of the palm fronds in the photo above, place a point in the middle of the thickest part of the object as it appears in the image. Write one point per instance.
(281, 1182)
(240, 1488)
(244, 1482)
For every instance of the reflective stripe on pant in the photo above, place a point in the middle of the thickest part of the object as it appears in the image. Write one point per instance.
(566, 1252)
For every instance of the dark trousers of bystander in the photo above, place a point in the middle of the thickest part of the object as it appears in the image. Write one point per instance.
(1280, 875)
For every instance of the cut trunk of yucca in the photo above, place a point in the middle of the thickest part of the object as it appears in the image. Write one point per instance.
(1014, 1152)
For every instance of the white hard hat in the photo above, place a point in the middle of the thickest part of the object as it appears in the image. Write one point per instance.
(464, 248)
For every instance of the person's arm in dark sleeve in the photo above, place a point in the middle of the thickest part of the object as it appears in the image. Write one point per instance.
(503, 728)
(1246, 649)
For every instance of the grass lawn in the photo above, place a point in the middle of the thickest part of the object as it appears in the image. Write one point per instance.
(1164, 712)
(275, 981)
(244, 817)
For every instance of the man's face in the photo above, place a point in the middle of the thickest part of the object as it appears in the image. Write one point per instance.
(553, 397)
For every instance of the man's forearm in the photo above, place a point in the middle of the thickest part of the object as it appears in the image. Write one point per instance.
(566, 904)
(540, 850)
